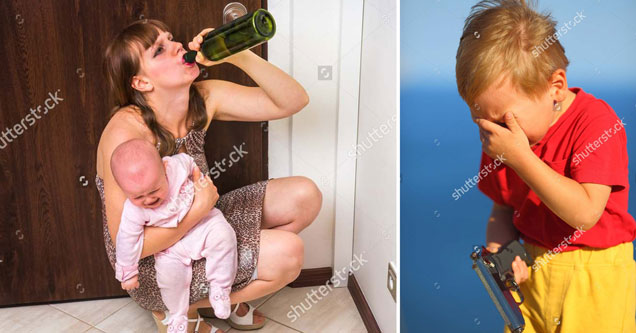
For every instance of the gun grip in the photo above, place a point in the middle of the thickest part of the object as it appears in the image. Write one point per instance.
(507, 254)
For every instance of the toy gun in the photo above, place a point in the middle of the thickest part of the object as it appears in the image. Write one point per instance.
(495, 272)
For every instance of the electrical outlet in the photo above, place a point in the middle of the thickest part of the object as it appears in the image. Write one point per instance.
(391, 280)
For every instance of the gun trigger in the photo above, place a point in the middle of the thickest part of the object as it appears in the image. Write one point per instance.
(514, 285)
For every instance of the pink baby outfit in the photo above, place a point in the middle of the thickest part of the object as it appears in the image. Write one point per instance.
(212, 238)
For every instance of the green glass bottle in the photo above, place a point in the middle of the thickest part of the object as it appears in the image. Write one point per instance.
(241, 34)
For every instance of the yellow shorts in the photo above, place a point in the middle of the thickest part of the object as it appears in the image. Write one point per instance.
(587, 290)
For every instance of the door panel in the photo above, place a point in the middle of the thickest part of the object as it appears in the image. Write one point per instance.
(51, 245)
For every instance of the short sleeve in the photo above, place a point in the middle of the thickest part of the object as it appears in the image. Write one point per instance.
(600, 148)
(489, 183)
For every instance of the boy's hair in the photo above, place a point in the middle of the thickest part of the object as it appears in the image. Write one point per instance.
(505, 37)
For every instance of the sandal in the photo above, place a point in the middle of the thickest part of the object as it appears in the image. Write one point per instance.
(198, 321)
(162, 325)
(246, 322)
(207, 313)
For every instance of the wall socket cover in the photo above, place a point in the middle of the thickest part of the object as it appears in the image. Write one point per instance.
(391, 280)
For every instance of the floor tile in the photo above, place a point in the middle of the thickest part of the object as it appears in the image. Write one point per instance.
(133, 318)
(307, 310)
(93, 312)
(93, 330)
(44, 318)
(130, 318)
(259, 301)
(218, 323)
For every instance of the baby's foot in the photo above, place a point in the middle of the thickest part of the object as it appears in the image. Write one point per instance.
(220, 301)
(178, 324)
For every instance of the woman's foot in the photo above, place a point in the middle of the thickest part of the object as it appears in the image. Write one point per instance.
(204, 327)
(242, 311)
(245, 320)
(259, 318)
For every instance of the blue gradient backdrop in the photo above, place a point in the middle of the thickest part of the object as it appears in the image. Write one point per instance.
(440, 149)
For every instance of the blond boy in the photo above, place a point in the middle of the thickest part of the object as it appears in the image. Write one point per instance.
(563, 186)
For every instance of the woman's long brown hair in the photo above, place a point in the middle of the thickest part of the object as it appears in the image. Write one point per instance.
(122, 62)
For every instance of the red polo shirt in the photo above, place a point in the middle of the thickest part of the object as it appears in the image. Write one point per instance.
(587, 144)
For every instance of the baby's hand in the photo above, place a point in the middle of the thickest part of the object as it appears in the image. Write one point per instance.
(499, 142)
(130, 284)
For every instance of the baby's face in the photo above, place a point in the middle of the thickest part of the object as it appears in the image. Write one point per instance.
(150, 191)
(534, 116)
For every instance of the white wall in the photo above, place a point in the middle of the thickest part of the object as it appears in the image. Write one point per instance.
(376, 174)
(308, 36)
(355, 108)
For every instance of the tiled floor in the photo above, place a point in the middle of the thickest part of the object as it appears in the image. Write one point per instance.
(289, 310)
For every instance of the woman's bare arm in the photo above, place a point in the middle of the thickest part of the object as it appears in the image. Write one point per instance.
(121, 128)
(277, 95)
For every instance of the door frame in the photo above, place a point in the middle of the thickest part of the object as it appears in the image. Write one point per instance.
(350, 53)
(280, 131)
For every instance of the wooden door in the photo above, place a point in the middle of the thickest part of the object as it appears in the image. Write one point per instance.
(51, 245)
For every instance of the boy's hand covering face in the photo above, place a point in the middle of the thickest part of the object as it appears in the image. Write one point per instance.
(508, 140)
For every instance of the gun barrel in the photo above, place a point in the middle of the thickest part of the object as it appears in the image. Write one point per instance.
(501, 296)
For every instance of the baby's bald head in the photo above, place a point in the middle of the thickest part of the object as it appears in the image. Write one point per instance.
(136, 166)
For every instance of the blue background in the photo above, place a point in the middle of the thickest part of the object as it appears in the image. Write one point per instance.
(440, 149)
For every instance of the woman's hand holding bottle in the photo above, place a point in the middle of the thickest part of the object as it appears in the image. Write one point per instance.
(195, 45)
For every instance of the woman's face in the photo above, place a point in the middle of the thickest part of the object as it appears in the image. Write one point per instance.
(162, 64)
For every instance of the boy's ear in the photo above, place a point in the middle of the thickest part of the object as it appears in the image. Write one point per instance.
(558, 85)
(141, 83)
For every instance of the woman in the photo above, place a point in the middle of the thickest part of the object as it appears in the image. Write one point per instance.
(158, 101)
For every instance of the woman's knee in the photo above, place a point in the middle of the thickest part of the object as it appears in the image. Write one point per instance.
(294, 252)
(308, 197)
(288, 256)
(281, 255)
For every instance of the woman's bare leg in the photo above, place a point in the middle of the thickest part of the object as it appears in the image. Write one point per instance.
(280, 259)
(291, 203)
